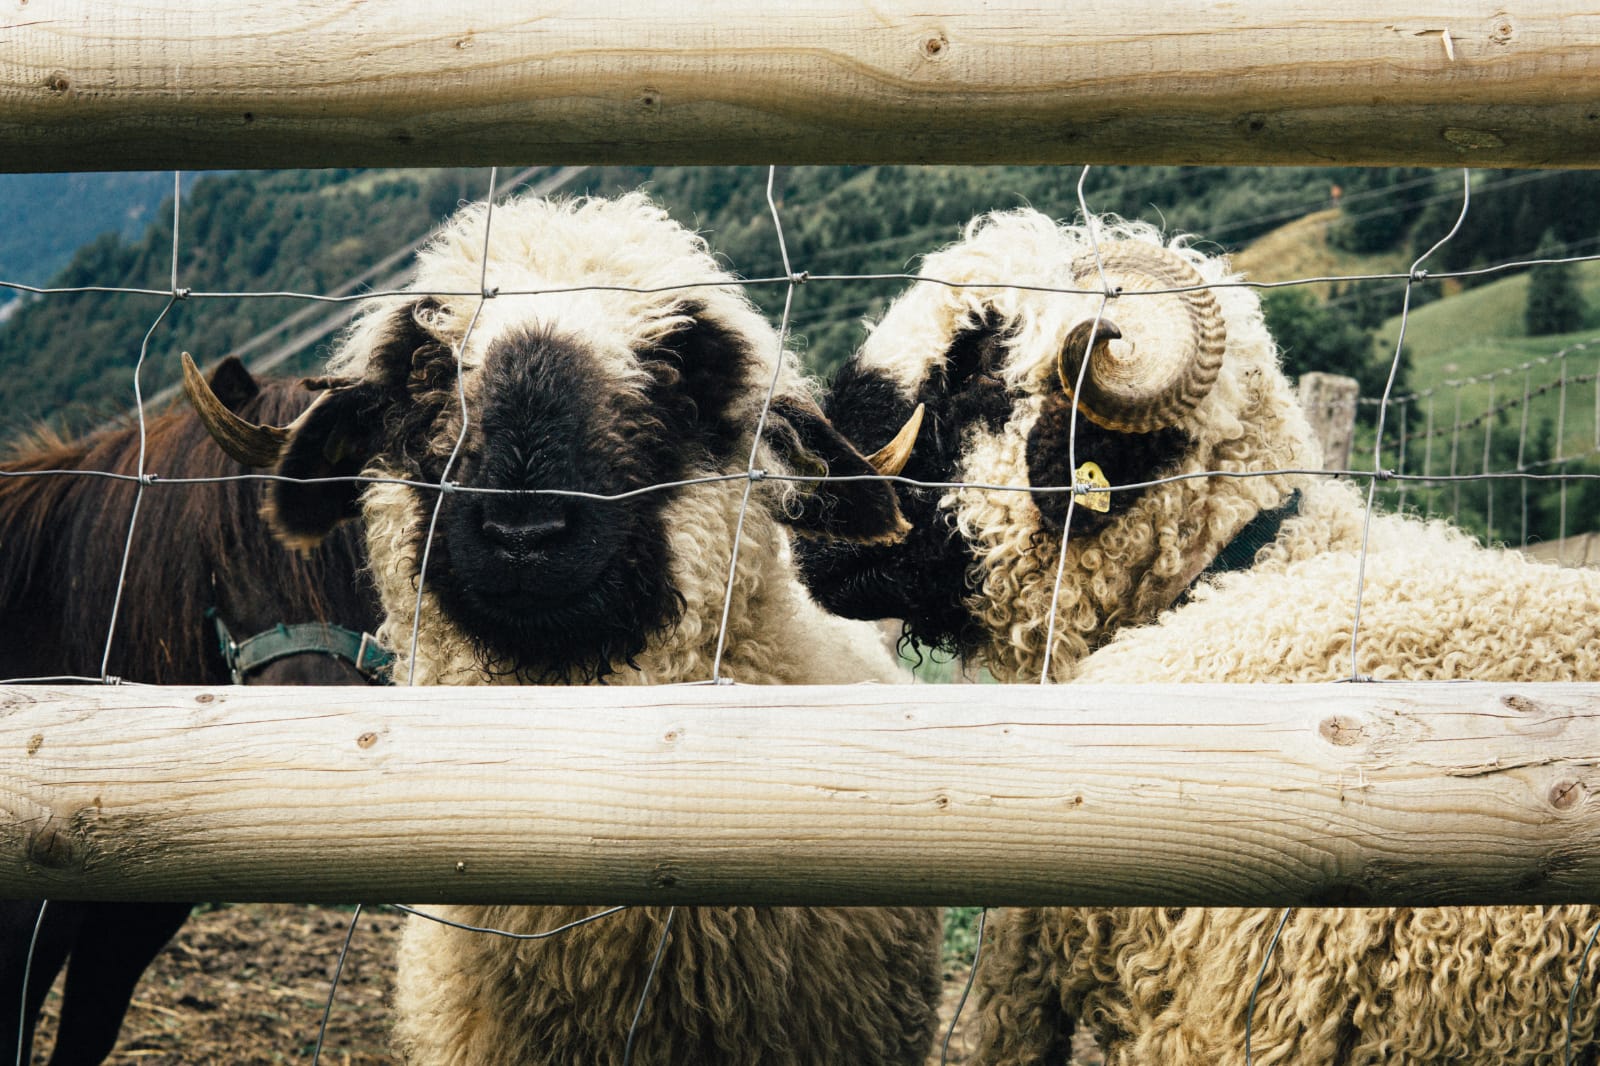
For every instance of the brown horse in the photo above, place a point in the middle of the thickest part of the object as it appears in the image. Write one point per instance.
(195, 549)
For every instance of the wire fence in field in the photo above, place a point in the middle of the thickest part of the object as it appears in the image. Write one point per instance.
(1508, 453)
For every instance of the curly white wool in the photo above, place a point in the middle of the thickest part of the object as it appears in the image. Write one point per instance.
(1171, 986)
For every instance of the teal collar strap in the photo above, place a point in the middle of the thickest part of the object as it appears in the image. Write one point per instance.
(1240, 552)
(244, 657)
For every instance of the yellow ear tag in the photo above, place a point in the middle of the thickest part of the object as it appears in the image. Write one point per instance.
(1090, 474)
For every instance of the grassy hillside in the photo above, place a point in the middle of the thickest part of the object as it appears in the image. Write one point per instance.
(1478, 332)
(1301, 249)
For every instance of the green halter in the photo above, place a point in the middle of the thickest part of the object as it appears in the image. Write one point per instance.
(244, 657)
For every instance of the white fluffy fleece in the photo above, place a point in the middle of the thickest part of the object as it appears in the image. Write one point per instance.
(1471, 986)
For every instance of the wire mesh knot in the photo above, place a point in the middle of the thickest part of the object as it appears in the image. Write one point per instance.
(756, 474)
(800, 278)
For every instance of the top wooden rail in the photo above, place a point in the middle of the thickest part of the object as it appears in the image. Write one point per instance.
(142, 84)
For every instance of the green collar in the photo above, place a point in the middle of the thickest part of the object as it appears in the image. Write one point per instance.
(244, 657)
(1240, 552)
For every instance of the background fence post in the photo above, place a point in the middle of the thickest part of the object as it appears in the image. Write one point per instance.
(1330, 405)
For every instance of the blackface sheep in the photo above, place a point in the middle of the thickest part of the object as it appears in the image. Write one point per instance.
(1203, 579)
(637, 362)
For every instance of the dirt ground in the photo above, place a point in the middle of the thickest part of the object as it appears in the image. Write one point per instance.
(247, 985)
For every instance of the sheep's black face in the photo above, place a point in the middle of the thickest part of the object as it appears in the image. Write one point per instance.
(927, 578)
(924, 578)
(554, 585)
(1124, 459)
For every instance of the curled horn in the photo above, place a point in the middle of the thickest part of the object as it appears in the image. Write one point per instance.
(1153, 366)
(892, 457)
(249, 443)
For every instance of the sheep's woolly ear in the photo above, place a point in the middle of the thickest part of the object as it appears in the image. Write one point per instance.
(336, 438)
(864, 511)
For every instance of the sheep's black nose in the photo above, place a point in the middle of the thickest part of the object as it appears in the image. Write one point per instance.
(525, 535)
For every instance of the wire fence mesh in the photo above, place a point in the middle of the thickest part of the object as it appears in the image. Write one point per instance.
(1508, 453)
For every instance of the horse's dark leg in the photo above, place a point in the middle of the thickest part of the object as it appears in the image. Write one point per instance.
(116, 943)
(18, 919)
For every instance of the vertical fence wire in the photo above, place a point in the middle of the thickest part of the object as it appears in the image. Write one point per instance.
(1412, 277)
(1106, 295)
(1522, 451)
(23, 1018)
(138, 403)
(752, 474)
(444, 486)
(1561, 465)
(1488, 466)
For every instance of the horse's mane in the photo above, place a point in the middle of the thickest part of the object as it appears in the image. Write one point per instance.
(194, 546)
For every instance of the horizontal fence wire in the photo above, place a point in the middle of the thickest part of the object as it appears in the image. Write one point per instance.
(1422, 445)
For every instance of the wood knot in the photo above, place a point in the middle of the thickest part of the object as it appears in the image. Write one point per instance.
(942, 802)
(1342, 730)
(935, 45)
(51, 847)
(1520, 704)
(650, 100)
(57, 83)
(366, 740)
(664, 876)
(204, 698)
(35, 742)
(1565, 794)
(1502, 29)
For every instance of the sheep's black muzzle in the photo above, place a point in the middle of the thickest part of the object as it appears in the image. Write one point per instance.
(545, 574)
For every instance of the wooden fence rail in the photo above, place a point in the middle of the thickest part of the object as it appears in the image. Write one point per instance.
(1220, 795)
(143, 84)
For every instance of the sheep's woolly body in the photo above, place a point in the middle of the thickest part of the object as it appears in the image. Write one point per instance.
(1397, 987)
(778, 986)
(1434, 606)
(1392, 987)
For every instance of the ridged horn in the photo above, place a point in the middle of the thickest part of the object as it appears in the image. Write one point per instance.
(890, 459)
(1169, 345)
(249, 443)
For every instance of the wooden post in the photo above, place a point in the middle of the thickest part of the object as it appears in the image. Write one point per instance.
(1329, 401)
(141, 84)
(1220, 795)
